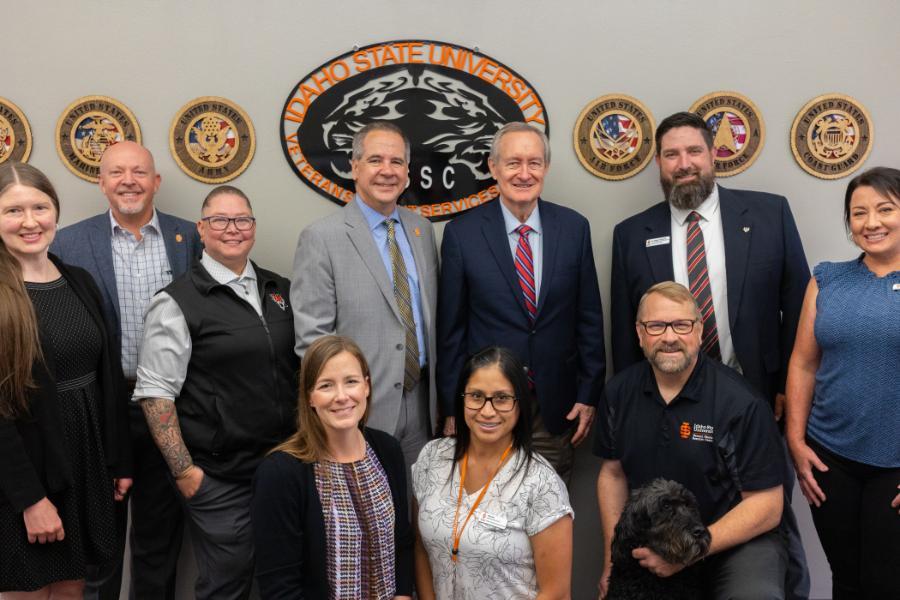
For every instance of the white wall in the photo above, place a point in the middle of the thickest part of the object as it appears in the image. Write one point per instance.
(156, 55)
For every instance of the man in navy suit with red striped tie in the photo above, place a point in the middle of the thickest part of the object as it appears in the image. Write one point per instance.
(738, 252)
(519, 272)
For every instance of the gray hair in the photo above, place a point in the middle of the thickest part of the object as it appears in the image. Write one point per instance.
(360, 136)
(517, 127)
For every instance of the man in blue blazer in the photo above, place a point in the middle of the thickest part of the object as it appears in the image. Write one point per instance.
(132, 250)
(738, 251)
(533, 290)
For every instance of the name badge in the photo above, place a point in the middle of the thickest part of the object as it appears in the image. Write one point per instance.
(493, 521)
(660, 241)
(896, 287)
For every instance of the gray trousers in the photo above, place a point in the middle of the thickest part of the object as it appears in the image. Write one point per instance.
(754, 570)
(413, 429)
(218, 517)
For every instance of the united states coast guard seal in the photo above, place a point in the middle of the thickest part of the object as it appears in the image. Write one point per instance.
(87, 128)
(738, 143)
(212, 139)
(15, 133)
(614, 137)
(831, 136)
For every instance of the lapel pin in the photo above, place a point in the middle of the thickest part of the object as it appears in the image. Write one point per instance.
(178, 237)
(746, 230)
(418, 232)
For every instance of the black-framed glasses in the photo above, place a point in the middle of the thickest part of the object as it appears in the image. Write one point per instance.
(681, 326)
(500, 402)
(221, 223)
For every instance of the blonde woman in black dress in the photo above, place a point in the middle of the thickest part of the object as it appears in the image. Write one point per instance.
(62, 405)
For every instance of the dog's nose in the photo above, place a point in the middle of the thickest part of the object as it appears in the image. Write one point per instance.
(699, 532)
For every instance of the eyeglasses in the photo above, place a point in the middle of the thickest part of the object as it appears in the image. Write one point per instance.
(500, 402)
(681, 327)
(221, 223)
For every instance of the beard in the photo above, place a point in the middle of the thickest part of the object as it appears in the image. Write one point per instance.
(688, 196)
(669, 363)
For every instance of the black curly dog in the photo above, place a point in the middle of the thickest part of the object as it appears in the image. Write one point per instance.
(664, 517)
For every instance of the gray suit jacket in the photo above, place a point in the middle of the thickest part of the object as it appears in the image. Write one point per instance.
(340, 285)
(87, 244)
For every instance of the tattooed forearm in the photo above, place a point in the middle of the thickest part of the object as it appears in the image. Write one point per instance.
(162, 419)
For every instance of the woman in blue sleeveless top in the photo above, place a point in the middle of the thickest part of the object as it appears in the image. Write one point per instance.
(843, 395)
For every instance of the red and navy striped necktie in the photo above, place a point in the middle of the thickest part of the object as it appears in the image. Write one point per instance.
(525, 270)
(698, 280)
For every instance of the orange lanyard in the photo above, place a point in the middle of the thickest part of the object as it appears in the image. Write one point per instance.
(457, 530)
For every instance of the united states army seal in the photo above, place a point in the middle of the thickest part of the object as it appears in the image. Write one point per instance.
(738, 130)
(831, 136)
(614, 137)
(212, 139)
(15, 133)
(87, 128)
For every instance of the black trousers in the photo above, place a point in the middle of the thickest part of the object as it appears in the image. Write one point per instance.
(859, 530)
(157, 525)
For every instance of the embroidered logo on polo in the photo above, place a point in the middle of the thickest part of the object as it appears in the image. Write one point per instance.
(738, 130)
(87, 128)
(831, 136)
(279, 300)
(613, 137)
(212, 139)
(685, 430)
(15, 133)
(449, 100)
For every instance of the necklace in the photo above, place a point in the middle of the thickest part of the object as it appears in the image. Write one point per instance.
(457, 529)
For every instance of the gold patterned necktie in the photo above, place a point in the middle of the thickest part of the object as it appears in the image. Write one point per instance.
(404, 304)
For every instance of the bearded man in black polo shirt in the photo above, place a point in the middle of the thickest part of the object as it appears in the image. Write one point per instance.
(683, 417)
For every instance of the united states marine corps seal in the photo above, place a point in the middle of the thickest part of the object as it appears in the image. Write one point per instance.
(87, 128)
(831, 136)
(738, 130)
(212, 139)
(15, 133)
(614, 137)
(447, 99)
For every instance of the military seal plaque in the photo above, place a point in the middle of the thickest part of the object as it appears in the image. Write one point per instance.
(831, 136)
(15, 133)
(737, 145)
(212, 139)
(449, 100)
(87, 128)
(614, 137)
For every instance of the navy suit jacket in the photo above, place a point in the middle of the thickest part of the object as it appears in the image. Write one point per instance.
(766, 272)
(480, 304)
(88, 244)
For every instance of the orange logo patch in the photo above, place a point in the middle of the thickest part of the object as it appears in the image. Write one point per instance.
(685, 430)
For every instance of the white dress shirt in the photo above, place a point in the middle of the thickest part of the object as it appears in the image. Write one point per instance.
(714, 243)
(166, 347)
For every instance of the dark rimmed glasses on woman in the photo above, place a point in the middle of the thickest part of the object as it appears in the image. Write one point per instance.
(221, 223)
(500, 402)
(681, 326)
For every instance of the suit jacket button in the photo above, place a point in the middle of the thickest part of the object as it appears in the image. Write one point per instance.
(398, 385)
(399, 346)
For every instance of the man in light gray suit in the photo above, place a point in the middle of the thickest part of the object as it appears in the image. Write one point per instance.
(369, 271)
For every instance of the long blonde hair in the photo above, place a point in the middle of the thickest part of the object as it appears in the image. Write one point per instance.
(310, 443)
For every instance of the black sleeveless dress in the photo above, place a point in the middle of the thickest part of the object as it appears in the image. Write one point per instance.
(85, 508)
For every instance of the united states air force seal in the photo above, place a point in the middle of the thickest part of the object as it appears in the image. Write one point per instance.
(449, 101)
(15, 133)
(737, 144)
(212, 139)
(831, 136)
(614, 136)
(87, 128)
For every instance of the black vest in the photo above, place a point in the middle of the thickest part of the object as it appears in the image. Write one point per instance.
(239, 398)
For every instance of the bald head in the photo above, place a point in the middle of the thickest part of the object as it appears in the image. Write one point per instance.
(129, 180)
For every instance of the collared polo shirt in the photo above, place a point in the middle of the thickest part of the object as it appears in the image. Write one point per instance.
(717, 437)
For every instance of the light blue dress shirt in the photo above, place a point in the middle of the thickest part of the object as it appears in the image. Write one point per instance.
(535, 240)
(377, 226)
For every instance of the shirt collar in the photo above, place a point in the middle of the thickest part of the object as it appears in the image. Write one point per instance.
(373, 217)
(693, 387)
(223, 274)
(708, 209)
(151, 225)
(512, 223)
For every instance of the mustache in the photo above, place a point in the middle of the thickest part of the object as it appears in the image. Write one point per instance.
(685, 172)
(669, 347)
